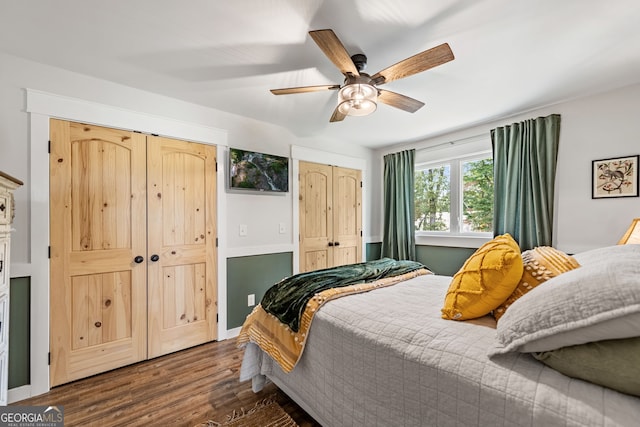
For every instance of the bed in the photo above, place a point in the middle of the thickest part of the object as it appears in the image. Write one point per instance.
(387, 357)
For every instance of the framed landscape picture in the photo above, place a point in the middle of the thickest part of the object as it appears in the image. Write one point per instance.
(617, 177)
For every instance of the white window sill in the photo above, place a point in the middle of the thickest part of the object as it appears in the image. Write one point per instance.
(454, 241)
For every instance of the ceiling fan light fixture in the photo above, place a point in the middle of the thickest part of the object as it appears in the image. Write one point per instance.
(357, 99)
(359, 95)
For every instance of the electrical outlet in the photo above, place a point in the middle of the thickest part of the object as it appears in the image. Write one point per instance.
(251, 300)
(243, 230)
(282, 228)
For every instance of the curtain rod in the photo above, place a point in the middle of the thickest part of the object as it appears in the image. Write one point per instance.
(454, 142)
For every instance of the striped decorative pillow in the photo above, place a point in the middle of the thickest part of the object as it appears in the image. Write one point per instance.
(540, 264)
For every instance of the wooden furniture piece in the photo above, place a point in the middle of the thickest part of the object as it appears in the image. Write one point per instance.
(330, 216)
(7, 185)
(133, 248)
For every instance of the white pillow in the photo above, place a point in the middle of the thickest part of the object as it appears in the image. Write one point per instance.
(604, 254)
(598, 301)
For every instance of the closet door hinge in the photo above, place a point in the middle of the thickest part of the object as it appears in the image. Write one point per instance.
(360, 184)
(217, 318)
(49, 147)
(216, 242)
(49, 358)
(49, 252)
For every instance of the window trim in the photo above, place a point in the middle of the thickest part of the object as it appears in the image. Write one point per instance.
(457, 241)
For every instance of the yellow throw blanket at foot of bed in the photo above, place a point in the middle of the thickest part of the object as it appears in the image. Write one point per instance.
(283, 344)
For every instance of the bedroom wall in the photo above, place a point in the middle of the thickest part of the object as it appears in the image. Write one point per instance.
(595, 127)
(262, 214)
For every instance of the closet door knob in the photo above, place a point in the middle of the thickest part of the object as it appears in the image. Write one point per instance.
(138, 259)
(154, 257)
(330, 243)
(336, 244)
(2, 207)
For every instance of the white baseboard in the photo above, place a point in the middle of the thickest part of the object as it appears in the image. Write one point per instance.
(232, 333)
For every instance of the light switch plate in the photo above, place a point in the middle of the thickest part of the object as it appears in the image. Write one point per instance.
(243, 230)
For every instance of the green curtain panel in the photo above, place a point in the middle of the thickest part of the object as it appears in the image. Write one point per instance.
(398, 240)
(524, 161)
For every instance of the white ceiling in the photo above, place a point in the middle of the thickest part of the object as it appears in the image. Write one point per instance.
(511, 55)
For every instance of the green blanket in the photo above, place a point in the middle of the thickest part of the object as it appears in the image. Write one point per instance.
(288, 298)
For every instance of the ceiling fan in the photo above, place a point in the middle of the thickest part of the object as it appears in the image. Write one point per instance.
(359, 94)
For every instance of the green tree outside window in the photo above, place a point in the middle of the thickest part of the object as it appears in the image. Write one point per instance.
(432, 199)
(477, 197)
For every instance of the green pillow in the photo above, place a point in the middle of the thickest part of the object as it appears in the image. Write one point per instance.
(611, 363)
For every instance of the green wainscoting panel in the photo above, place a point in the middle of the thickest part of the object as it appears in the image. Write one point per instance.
(443, 260)
(19, 336)
(252, 275)
(373, 251)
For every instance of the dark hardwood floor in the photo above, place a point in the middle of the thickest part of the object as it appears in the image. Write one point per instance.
(181, 389)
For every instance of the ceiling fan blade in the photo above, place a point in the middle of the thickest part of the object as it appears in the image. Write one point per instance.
(399, 101)
(303, 89)
(337, 116)
(334, 50)
(415, 64)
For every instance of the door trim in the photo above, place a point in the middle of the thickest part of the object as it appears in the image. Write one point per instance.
(42, 106)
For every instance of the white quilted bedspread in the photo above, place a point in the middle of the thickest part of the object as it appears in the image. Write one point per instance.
(387, 358)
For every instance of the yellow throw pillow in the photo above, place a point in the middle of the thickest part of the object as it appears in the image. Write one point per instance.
(485, 280)
(540, 264)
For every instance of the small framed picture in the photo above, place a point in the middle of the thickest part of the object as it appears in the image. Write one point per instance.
(616, 177)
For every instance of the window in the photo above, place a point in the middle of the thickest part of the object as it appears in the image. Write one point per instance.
(454, 191)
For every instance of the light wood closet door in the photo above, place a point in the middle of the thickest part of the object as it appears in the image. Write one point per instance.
(133, 252)
(347, 216)
(330, 208)
(182, 248)
(316, 216)
(98, 300)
